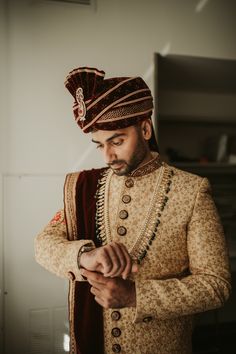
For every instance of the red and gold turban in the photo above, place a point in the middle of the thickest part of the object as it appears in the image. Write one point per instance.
(108, 104)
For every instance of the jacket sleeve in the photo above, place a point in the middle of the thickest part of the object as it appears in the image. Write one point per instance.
(208, 285)
(55, 252)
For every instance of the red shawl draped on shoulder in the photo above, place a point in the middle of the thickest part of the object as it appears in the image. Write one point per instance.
(86, 316)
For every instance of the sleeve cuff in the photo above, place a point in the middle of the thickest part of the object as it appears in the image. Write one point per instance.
(141, 314)
(74, 270)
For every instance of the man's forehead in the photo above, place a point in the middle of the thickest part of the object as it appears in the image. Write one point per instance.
(104, 135)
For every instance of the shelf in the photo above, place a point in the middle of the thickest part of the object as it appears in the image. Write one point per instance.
(192, 119)
(196, 73)
(217, 172)
(196, 105)
(211, 166)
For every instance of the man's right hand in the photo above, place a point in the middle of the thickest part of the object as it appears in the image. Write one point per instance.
(112, 260)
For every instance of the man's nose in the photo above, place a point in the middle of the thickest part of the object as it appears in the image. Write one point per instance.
(108, 154)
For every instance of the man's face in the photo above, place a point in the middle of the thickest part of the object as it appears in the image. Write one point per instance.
(123, 150)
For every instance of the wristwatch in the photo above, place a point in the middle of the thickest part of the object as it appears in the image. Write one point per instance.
(85, 248)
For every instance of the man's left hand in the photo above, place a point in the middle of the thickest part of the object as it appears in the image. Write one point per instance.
(111, 292)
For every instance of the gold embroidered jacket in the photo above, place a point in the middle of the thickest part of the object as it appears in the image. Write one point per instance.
(184, 265)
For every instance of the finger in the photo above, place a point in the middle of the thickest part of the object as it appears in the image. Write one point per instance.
(131, 266)
(100, 302)
(121, 264)
(93, 276)
(95, 285)
(94, 291)
(98, 296)
(104, 260)
(114, 259)
(134, 268)
(128, 262)
(101, 285)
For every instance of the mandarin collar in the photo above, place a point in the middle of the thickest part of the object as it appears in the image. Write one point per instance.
(148, 167)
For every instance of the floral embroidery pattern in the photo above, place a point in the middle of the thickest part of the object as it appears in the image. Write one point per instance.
(58, 218)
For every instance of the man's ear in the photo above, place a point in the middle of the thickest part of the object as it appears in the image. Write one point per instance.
(146, 129)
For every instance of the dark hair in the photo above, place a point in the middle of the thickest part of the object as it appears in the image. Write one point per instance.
(152, 142)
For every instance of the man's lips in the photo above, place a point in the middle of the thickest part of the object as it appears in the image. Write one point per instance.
(117, 165)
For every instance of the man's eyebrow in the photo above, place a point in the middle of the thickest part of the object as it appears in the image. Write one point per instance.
(116, 135)
(96, 142)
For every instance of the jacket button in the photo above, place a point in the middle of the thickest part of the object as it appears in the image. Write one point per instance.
(116, 332)
(123, 214)
(71, 276)
(129, 183)
(115, 315)
(116, 348)
(121, 230)
(126, 199)
(147, 319)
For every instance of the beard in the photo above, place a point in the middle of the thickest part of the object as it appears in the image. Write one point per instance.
(138, 156)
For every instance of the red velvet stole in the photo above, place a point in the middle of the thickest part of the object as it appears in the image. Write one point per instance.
(88, 314)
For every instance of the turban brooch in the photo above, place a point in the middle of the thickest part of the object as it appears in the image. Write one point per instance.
(107, 104)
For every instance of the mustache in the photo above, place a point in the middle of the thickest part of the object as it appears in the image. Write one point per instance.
(115, 162)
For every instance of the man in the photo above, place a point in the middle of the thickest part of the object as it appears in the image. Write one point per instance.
(140, 241)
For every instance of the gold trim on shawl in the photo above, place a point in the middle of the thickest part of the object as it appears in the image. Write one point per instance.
(70, 204)
(71, 300)
(71, 222)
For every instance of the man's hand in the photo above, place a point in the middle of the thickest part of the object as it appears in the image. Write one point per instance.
(112, 260)
(111, 292)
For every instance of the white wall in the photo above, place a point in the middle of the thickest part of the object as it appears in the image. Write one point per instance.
(41, 41)
(47, 39)
(4, 94)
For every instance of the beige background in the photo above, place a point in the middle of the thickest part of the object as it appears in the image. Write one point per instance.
(40, 42)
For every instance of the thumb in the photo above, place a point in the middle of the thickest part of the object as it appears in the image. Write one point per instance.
(134, 268)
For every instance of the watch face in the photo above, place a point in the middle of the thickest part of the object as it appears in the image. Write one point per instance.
(87, 248)
(83, 249)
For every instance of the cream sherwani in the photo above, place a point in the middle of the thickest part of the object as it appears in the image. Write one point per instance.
(184, 267)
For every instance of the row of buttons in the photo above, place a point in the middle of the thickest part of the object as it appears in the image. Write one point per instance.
(121, 230)
(123, 214)
(116, 332)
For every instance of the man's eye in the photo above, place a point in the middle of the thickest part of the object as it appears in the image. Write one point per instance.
(99, 147)
(117, 143)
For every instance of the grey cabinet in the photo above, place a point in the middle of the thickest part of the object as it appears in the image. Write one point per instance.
(195, 121)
